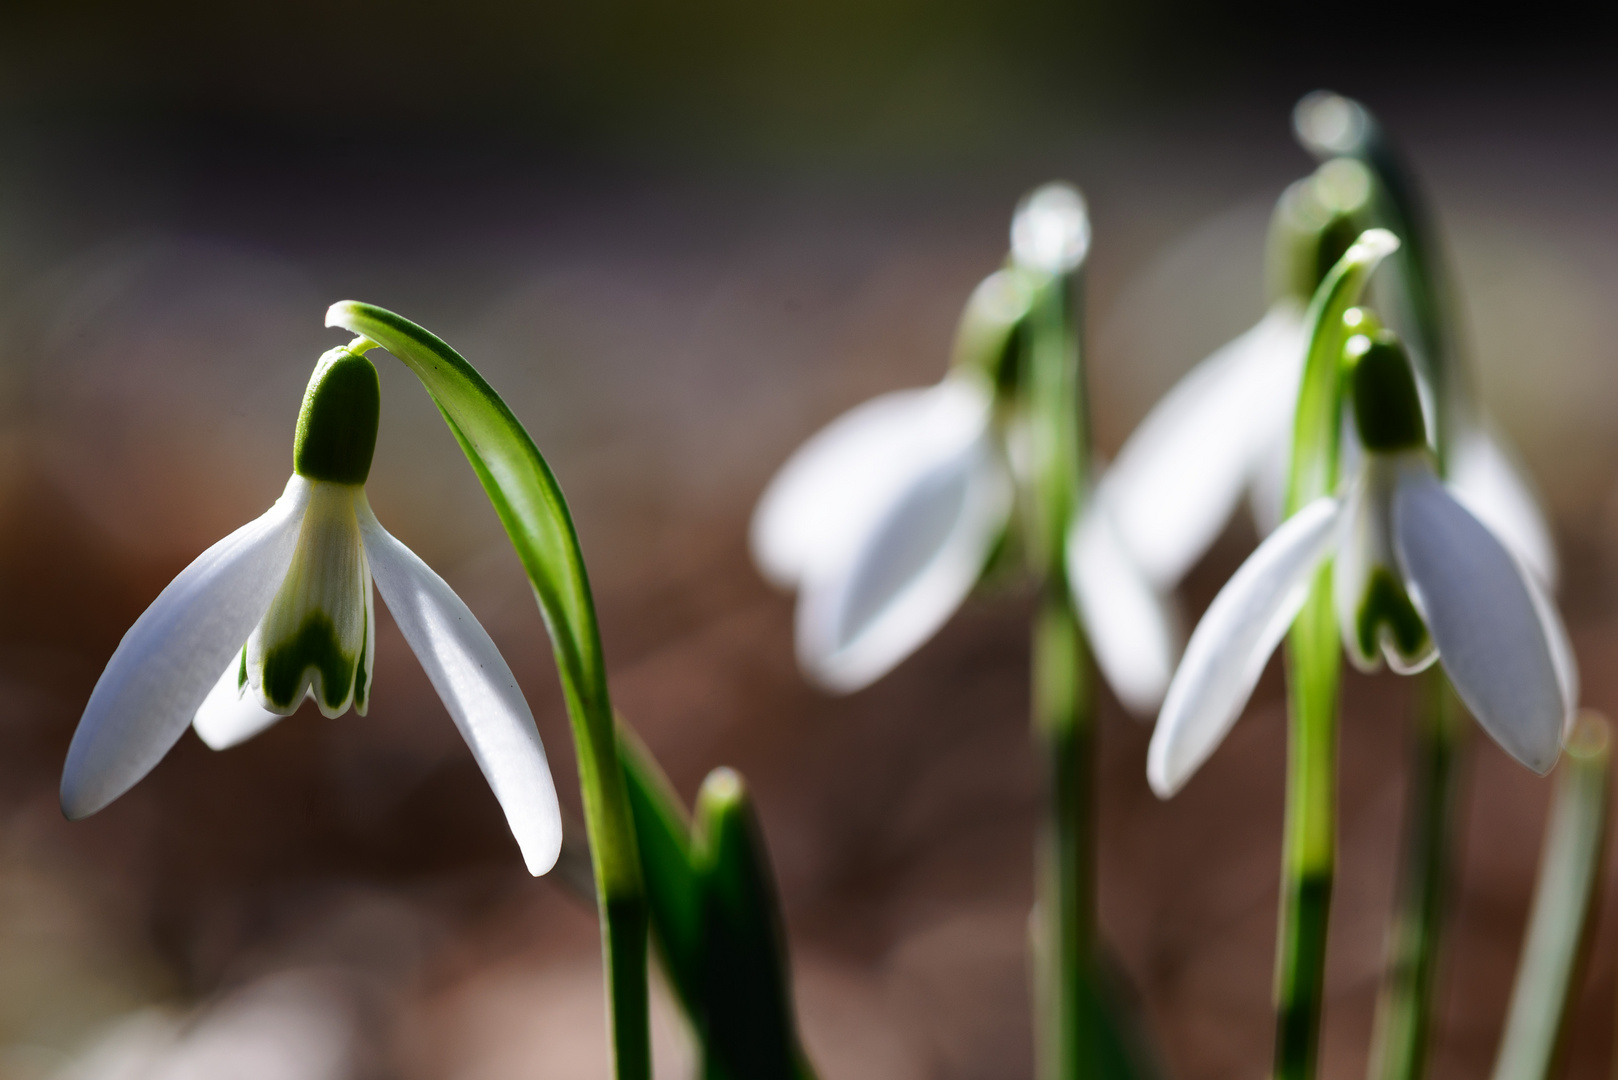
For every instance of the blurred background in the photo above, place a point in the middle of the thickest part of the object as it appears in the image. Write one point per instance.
(678, 239)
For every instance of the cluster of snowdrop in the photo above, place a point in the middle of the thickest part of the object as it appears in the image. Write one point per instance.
(886, 519)
(1380, 490)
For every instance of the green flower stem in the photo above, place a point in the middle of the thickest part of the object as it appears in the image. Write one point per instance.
(1314, 659)
(1330, 126)
(1064, 732)
(1063, 691)
(1560, 923)
(530, 505)
(1405, 1004)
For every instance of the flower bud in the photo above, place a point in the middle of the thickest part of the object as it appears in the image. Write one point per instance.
(1315, 221)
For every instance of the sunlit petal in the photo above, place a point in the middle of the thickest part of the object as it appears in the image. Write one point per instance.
(1133, 629)
(847, 474)
(1489, 481)
(1180, 475)
(231, 712)
(1230, 646)
(907, 573)
(1477, 602)
(171, 658)
(476, 686)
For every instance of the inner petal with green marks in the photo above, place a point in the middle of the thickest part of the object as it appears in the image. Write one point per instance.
(1375, 614)
(316, 638)
(1388, 621)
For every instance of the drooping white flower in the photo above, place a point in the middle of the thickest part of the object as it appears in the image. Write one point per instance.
(1224, 431)
(281, 610)
(1416, 577)
(884, 520)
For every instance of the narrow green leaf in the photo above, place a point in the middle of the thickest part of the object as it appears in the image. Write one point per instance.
(750, 1026)
(1560, 923)
(673, 892)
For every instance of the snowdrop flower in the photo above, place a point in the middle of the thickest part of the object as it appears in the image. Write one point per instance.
(1416, 577)
(1225, 429)
(885, 519)
(281, 610)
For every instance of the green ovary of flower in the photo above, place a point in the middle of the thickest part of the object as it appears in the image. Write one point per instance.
(1387, 406)
(1386, 604)
(336, 435)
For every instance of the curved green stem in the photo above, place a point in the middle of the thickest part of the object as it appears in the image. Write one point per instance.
(1308, 859)
(530, 505)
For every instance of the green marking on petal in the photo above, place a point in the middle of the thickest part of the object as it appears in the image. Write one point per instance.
(241, 672)
(1386, 603)
(1387, 407)
(362, 671)
(315, 646)
(337, 425)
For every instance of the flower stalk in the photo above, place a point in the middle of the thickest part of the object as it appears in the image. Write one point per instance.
(1313, 667)
(1063, 690)
(530, 505)
(1404, 1005)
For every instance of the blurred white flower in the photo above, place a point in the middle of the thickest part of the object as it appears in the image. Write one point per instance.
(885, 519)
(295, 586)
(1225, 429)
(1416, 577)
(292, 1026)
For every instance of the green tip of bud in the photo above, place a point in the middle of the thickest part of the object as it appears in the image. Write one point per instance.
(337, 425)
(1387, 406)
(1315, 222)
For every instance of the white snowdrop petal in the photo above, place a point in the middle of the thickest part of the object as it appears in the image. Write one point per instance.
(1478, 605)
(477, 689)
(1133, 629)
(908, 572)
(1567, 667)
(1180, 475)
(1230, 646)
(831, 488)
(1488, 480)
(170, 659)
(228, 716)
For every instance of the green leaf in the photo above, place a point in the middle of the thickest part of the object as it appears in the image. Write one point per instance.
(530, 505)
(1560, 923)
(673, 892)
(750, 1028)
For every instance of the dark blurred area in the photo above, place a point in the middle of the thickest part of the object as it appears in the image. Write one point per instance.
(678, 239)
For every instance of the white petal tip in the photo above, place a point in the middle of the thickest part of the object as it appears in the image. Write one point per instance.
(75, 807)
(541, 858)
(1162, 784)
